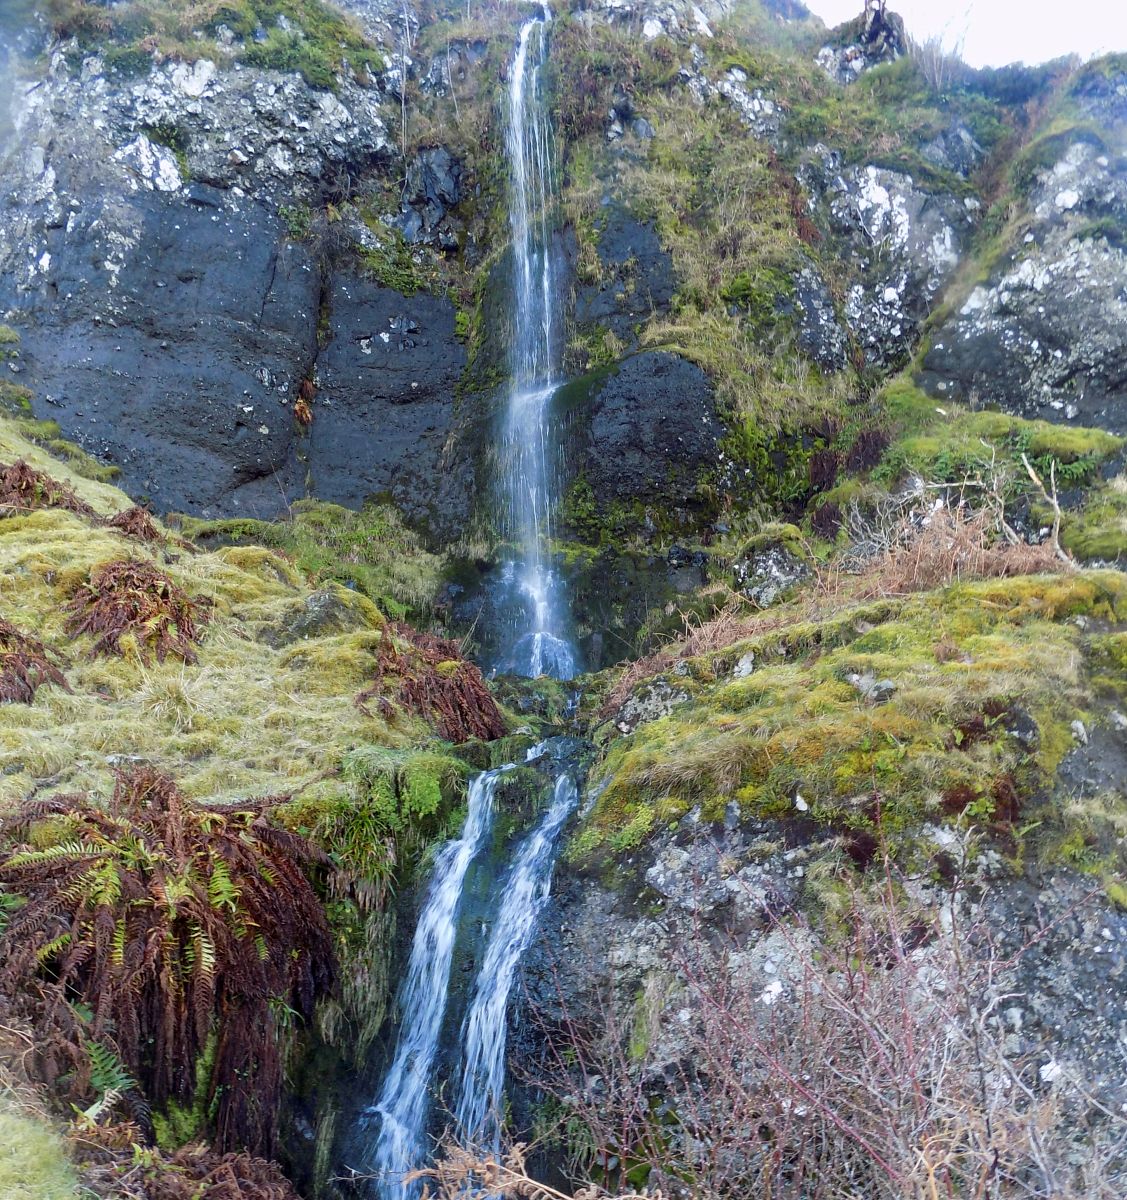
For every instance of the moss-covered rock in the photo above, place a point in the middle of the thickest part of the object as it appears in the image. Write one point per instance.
(979, 685)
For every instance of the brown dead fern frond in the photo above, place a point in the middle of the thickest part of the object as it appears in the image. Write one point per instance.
(178, 925)
(432, 680)
(194, 1172)
(133, 598)
(24, 489)
(138, 524)
(25, 666)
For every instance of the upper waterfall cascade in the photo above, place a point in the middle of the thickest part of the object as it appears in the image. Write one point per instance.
(540, 645)
(537, 645)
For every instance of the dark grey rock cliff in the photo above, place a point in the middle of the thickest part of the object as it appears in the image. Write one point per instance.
(168, 317)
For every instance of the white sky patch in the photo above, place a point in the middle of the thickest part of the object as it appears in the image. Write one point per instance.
(996, 32)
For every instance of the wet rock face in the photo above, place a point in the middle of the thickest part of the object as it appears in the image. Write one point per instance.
(168, 335)
(168, 323)
(385, 401)
(637, 277)
(904, 244)
(651, 432)
(1044, 335)
(433, 187)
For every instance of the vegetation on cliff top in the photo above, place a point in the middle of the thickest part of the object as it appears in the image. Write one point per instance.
(315, 39)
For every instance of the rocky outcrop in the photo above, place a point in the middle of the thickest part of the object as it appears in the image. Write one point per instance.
(634, 277)
(902, 243)
(433, 187)
(875, 37)
(170, 313)
(1043, 335)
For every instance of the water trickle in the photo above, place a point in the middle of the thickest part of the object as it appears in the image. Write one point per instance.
(539, 644)
(404, 1098)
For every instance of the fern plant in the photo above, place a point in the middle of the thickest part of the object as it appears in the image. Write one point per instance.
(171, 921)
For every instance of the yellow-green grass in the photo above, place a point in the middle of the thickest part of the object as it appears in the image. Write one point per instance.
(247, 718)
(33, 1161)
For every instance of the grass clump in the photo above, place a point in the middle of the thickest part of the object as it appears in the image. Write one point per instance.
(370, 550)
(314, 39)
(249, 717)
(131, 599)
(33, 1160)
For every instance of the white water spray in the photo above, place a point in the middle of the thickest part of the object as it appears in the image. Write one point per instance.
(539, 645)
(525, 890)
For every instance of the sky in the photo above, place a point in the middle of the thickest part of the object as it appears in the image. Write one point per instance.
(996, 32)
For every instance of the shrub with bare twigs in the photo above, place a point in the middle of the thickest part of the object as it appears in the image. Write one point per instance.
(874, 1064)
(132, 598)
(459, 1173)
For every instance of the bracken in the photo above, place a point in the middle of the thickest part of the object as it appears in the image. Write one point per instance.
(436, 683)
(131, 597)
(178, 925)
(25, 665)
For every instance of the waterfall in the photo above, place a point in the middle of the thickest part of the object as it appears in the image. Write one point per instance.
(404, 1098)
(538, 645)
(525, 891)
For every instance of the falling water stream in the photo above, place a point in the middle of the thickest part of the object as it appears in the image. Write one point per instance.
(538, 644)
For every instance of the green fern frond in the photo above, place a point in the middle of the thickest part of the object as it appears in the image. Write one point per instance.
(51, 948)
(107, 1071)
(221, 889)
(53, 854)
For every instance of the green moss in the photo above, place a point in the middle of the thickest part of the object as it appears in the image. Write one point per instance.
(947, 443)
(1097, 529)
(392, 261)
(798, 725)
(15, 399)
(370, 550)
(318, 44)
